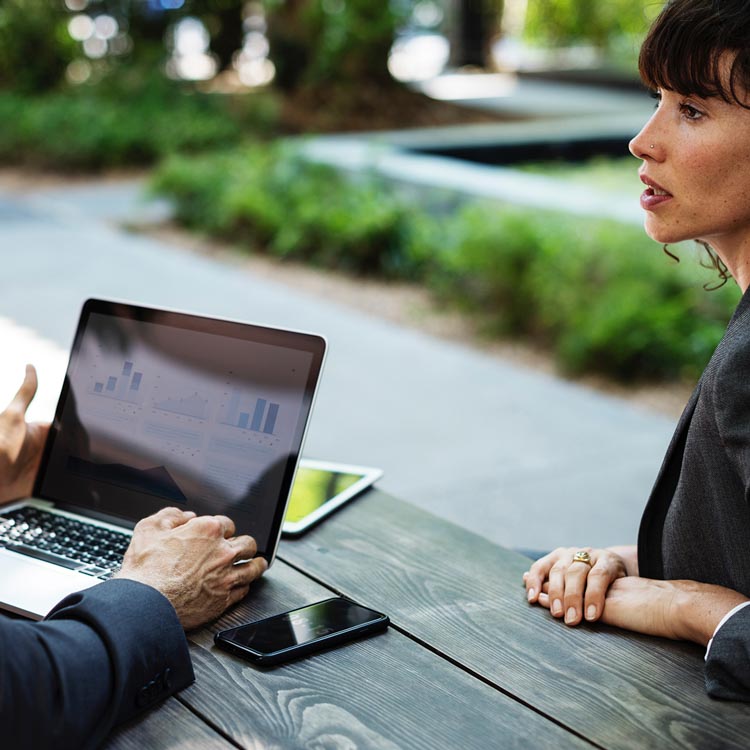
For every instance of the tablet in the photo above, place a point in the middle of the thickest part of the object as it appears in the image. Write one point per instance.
(319, 488)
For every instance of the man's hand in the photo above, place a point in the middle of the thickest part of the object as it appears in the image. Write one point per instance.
(21, 443)
(191, 560)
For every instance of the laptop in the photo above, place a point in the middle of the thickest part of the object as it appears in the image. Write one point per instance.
(158, 408)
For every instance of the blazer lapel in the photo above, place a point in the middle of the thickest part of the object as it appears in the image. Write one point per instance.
(650, 562)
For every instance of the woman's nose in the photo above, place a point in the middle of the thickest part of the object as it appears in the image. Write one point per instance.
(646, 145)
(640, 146)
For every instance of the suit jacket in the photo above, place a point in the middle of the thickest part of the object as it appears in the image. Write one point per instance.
(100, 657)
(696, 524)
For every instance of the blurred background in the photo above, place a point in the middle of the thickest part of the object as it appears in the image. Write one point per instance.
(441, 187)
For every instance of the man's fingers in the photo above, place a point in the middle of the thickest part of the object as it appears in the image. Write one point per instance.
(249, 571)
(168, 518)
(227, 524)
(25, 393)
(237, 594)
(245, 547)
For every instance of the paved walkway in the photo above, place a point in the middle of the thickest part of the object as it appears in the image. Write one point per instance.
(563, 113)
(518, 456)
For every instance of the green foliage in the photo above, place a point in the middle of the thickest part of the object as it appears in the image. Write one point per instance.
(35, 47)
(600, 293)
(333, 42)
(560, 22)
(272, 198)
(125, 120)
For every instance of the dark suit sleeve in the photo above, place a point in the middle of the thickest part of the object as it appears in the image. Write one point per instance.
(99, 658)
(728, 661)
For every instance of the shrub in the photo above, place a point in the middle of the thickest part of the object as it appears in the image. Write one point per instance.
(600, 292)
(133, 117)
(271, 197)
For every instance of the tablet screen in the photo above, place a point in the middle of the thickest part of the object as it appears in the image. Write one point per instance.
(319, 488)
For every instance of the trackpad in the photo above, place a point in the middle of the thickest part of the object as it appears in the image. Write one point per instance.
(31, 588)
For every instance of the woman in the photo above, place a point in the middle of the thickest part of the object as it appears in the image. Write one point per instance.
(689, 576)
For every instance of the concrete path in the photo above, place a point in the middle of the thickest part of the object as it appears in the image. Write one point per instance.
(562, 113)
(518, 456)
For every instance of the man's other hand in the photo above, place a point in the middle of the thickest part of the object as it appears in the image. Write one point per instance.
(21, 443)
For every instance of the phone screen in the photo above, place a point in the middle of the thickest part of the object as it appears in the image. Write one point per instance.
(316, 622)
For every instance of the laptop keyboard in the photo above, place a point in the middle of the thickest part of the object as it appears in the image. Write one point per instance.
(63, 541)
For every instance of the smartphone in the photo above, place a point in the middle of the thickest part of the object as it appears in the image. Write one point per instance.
(292, 634)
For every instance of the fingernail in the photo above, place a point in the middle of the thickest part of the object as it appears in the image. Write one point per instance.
(530, 595)
(591, 612)
(570, 615)
(557, 607)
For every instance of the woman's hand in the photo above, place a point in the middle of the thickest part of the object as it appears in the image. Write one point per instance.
(21, 443)
(576, 589)
(682, 610)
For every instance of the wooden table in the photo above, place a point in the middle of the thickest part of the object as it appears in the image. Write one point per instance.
(467, 662)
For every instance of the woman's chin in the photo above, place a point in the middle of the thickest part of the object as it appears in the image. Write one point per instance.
(661, 234)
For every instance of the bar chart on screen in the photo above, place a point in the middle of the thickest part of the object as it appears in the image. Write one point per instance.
(125, 385)
(254, 414)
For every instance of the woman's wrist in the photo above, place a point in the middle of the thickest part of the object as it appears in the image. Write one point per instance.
(698, 608)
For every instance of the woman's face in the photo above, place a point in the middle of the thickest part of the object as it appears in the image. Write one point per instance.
(696, 168)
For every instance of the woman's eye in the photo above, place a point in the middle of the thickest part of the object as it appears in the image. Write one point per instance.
(690, 113)
(655, 95)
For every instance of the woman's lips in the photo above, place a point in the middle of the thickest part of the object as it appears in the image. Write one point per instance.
(653, 195)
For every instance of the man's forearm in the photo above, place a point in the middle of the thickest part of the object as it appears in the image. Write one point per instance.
(102, 656)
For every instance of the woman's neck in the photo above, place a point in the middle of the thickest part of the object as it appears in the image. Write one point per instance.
(736, 257)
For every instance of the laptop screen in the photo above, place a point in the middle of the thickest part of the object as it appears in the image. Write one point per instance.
(166, 409)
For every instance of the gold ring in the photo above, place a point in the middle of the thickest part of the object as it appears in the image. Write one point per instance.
(582, 556)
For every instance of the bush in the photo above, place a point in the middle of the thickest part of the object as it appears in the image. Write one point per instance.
(600, 293)
(131, 118)
(271, 197)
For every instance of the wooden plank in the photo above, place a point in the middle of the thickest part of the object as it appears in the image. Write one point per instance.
(380, 693)
(464, 596)
(171, 725)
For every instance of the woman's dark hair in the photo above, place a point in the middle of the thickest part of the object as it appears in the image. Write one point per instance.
(684, 51)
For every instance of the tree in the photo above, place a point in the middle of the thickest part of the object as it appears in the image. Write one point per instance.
(336, 42)
(35, 47)
(473, 26)
(569, 21)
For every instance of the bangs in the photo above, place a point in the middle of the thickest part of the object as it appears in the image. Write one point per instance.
(690, 44)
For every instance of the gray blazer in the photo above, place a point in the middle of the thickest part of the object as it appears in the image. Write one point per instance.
(696, 524)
